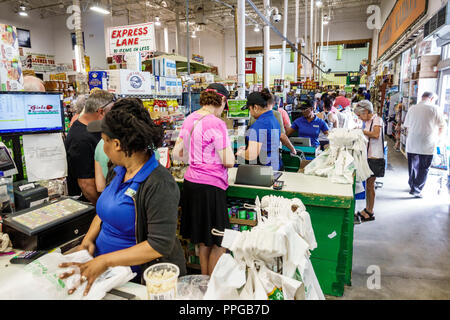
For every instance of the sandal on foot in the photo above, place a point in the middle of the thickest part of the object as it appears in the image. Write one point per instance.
(364, 219)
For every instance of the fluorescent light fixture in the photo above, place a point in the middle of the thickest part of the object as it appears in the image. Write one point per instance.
(77, 59)
(99, 10)
(23, 14)
(22, 7)
(319, 3)
(157, 22)
(256, 28)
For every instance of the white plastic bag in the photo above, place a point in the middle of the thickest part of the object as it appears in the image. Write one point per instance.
(253, 288)
(279, 287)
(40, 280)
(305, 273)
(227, 277)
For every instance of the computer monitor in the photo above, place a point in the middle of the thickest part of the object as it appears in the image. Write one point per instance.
(195, 101)
(7, 165)
(299, 141)
(30, 112)
(256, 175)
(235, 109)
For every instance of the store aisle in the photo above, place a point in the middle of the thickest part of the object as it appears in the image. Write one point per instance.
(409, 240)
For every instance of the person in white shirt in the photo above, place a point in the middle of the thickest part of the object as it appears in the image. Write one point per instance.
(425, 124)
(373, 130)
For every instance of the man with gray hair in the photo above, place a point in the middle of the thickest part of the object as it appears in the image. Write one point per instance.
(425, 123)
(80, 147)
(341, 100)
(32, 83)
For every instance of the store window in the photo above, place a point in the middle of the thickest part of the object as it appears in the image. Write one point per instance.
(446, 52)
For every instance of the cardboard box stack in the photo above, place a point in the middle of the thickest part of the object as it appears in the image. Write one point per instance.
(166, 81)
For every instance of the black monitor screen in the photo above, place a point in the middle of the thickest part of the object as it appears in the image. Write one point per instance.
(30, 112)
(195, 100)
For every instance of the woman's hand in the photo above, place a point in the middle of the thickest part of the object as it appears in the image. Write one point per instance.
(241, 152)
(86, 245)
(89, 271)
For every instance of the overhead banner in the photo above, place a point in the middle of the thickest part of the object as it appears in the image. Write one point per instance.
(402, 16)
(250, 65)
(129, 39)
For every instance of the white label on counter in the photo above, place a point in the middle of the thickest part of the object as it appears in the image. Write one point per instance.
(332, 235)
(38, 202)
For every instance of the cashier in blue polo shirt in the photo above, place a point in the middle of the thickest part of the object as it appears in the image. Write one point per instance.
(137, 213)
(308, 125)
(263, 137)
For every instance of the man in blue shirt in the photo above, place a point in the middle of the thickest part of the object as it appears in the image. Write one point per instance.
(264, 135)
(308, 125)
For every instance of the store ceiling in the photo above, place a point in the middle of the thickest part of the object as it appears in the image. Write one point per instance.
(212, 15)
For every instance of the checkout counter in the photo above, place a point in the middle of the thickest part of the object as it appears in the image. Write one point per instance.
(331, 207)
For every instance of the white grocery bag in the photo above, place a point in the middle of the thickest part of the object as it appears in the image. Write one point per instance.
(39, 280)
(227, 277)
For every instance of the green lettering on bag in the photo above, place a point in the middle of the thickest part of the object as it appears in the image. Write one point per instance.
(276, 294)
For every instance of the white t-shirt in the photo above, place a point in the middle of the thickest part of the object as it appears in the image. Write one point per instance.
(376, 148)
(423, 122)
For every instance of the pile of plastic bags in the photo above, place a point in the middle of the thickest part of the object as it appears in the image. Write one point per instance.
(270, 262)
(40, 280)
(347, 153)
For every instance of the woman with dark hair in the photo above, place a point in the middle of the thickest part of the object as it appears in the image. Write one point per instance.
(205, 144)
(137, 212)
(263, 137)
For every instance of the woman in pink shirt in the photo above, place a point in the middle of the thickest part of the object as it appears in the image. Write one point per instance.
(204, 140)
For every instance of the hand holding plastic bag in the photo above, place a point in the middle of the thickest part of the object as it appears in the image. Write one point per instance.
(40, 280)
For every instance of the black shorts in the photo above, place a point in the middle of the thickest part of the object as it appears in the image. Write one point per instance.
(377, 166)
(204, 207)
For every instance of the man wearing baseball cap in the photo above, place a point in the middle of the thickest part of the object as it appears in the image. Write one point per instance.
(263, 137)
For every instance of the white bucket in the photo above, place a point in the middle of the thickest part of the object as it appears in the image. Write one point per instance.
(161, 281)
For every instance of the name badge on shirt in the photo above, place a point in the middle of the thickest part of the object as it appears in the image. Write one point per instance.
(315, 126)
(130, 192)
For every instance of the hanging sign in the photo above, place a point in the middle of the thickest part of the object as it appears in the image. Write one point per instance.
(402, 16)
(129, 39)
(250, 65)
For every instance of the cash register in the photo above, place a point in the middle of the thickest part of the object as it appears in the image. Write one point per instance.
(48, 225)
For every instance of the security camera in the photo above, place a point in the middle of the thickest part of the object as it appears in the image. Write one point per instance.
(277, 17)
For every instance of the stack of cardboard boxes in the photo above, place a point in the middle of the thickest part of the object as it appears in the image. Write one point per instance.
(166, 81)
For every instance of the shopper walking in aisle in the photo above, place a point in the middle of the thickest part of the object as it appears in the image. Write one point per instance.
(341, 101)
(309, 125)
(263, 137)
(80, 148)
(373, 130)
(425, 124)
(204, 143)
(137, 213)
